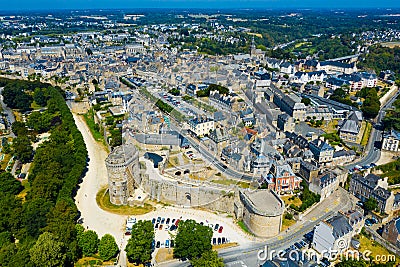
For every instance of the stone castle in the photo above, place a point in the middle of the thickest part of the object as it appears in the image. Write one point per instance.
(261, 210)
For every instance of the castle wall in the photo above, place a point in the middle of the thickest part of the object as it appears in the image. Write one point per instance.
(187, 195)
(263, 226)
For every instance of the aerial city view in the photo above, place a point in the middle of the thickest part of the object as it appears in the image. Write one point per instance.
(200, 133)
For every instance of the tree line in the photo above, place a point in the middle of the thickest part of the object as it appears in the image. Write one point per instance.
(43, 222)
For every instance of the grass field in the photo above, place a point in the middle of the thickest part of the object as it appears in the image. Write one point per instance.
(296, 201)
(287, 223)
(172, 162)
(92, 126)
(390, 44)
(27, 188)
(164, 254)
(375, 248)
(330, 127)
(230, 182)
(103, 200)
(367, 132)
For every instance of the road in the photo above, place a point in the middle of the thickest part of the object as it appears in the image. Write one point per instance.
(373, 153)
(8, 112)
(247, 255)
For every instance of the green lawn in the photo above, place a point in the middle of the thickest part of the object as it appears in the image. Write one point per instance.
(367, 132)
(92, 125)
(103, 201)
(374, 247)
(230, 182)
(244, 227)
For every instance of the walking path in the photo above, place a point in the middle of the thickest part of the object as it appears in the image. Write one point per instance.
(95, 218)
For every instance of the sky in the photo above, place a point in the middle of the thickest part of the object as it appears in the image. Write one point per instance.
(213, 4)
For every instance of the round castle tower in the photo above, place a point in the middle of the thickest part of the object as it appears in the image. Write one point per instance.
(122, 164)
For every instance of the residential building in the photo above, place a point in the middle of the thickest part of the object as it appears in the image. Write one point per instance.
(285, 123)
(308, 171)
(343, 157)
(201, 126)
(349, 130)
(391, 232)
(314, 76)
(324, 184)
(281, 178)
(335, 82)
(391, 140)
(323, 152)
(333, 234)
(354, 80)
(333, 67)
(373, 186)
(368, 79)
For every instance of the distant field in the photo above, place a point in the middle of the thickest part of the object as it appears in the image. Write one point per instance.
(259, 35)
(391, 44)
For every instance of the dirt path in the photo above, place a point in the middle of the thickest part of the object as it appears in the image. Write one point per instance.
(95, 218)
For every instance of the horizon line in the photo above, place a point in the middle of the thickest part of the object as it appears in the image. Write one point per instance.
(30, 10)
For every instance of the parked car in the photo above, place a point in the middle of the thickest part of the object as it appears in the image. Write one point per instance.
(158, 244)
(167, 221)
(216, 227)
(153, 221)
(167, 243)
(156, 226)
(214, 241)
(220, 229)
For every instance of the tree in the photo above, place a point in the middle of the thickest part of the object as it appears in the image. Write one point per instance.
(89, 243)
(9, 184)
(19, 128)
(138, 250)
(108, 248)
(192, 240)
(39, 96)
(47, 251)
(306, 101)
(208, 259)
(40, 121)
(371, 104)
(23, 149)
(371, 204)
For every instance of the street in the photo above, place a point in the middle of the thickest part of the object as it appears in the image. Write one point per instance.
(373, 153)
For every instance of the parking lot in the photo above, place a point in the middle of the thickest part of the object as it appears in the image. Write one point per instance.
(165, 223)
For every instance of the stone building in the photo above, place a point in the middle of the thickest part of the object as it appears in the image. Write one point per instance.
(261, 211)
(122, 165)
(391, 141)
